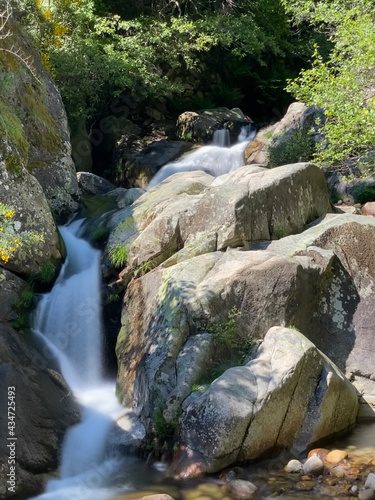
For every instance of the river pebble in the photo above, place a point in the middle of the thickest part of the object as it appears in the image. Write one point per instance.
(370, 481)
(313, 466)
(240, 489)
(304, 485)
(335, 456)
(294, 466)
(366, 494)
(319, 452)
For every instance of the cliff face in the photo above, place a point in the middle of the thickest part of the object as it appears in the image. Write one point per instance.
(34, 135)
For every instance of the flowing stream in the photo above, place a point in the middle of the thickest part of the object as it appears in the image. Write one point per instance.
(68, 320)
(216, 159)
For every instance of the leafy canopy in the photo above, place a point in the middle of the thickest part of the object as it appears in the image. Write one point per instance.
(344, 83)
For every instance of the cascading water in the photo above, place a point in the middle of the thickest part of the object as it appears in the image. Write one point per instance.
(68, 320)
(214, 159)
(221, 138)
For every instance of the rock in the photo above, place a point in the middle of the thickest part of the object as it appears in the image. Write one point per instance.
(45, 408)
(304, 486)
(125, 197)
(369, 208)
(11, 287)
(226, 423)
(293, 466)
(32, 217)
(313, 466)
(335, 456)
(184, 216)
(318, 452)
(200, 126)
(37, 139)
(158, 496)
(241, 489)
(127, 434)
(352, 239)
(93, 184)
(370, 481)
(297, 117)
(141, 167)
(366, 494)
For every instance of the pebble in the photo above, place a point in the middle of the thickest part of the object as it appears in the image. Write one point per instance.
(369, 208)
(313, 466)
(318, 452)
(367, 494)
(240, 489)
(304, 486)
(370, 481)
(335, 456)
(293, 466)
(372, 461)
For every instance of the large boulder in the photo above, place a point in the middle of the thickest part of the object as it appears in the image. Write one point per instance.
(44, 409)
(200, 126)
(172, 313)
(289, 396)
(298, 117)
(34, 129)
(32, 223)
(344, 333)
(140, 168)
(189, 214)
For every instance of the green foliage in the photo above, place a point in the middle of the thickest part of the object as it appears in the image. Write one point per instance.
(298, 147)
(46, 275)
(164, 430)
(143, 268)
(100, 236)
(363, 192)
(118, 255)
(112, 48)
(342, 83)
(23, 306)
(226, 333)
(111, 298)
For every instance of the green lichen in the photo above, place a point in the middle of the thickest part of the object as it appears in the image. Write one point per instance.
(11, 127)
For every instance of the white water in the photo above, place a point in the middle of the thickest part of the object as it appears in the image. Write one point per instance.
(214, 160)
(221, 138)
(68, 319)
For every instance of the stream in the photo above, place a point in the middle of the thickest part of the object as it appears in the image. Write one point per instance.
(68, 320)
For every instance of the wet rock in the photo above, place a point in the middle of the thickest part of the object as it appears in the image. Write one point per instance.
(318, 452)
(370, 481)
(93, 184)
(335, 456)
(313, 466)
(293, 466)
(200, 126)
(304, 485)
(141, 167)
(242, 490)
(235, 473)
(366, 494)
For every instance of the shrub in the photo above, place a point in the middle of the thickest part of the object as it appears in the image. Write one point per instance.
(298, 147)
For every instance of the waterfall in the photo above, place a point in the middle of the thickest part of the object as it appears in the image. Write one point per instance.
(221, 138)
(68, 320)
(213, 159)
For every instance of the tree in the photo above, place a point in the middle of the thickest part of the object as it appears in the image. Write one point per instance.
(342, 84)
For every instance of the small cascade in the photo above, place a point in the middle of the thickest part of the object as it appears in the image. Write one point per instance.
(214, 159)
(221, 138)
(68, 320)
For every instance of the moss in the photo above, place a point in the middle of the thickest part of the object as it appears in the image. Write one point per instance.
(42, 129)
(11, 127)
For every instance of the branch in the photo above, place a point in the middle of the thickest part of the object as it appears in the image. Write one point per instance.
(5, 32)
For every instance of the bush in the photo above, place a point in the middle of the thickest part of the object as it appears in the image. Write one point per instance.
(298, 147)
